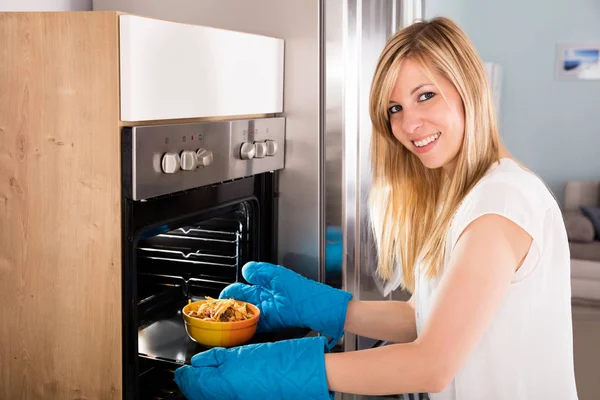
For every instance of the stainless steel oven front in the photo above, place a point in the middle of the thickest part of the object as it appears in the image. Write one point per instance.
(199, 201)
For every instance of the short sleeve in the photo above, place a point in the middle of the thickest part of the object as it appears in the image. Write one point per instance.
(518, 203)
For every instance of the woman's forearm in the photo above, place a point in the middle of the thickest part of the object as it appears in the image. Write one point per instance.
(393, 321)
(393, 369)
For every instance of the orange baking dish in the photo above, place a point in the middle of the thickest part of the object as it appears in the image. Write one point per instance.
(220, 334)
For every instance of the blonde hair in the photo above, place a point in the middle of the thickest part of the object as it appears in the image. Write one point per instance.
(412, 206)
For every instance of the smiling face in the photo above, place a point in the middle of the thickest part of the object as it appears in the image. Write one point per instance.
(427, 116)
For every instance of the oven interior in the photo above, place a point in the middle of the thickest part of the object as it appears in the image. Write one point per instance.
(177, 264)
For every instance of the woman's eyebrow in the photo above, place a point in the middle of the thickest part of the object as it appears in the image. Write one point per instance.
(419, 87)
(412, 91)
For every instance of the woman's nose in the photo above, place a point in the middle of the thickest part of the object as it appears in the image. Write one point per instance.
(411, 121)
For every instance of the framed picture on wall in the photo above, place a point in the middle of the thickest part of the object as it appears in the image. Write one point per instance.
(578, 61)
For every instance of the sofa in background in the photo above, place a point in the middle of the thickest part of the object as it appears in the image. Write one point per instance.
(581, 209)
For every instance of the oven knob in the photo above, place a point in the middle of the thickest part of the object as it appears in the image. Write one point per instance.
(271, 147)
(247, 151)
(205, 158)
(170, 163)
(261, 149)
(189, 160)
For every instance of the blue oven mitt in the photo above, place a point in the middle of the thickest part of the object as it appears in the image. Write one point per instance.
(289, 369)
(289, 300)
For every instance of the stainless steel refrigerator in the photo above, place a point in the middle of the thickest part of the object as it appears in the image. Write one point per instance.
(331, 48)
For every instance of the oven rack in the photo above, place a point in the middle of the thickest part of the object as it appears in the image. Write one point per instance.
(214, 245)
(186, 231)
(187, 257)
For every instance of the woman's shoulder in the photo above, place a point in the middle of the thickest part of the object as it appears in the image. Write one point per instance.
(510, 180)
(511, 191)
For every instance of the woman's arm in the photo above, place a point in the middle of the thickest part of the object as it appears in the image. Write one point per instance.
(393, 321)
(472, 289)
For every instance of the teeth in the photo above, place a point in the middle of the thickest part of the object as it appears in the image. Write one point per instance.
(427, 140)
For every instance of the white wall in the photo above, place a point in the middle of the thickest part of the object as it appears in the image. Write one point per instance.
(45, 5)
(551, 125)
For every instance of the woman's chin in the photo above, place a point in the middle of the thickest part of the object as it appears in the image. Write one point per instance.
(431, 162)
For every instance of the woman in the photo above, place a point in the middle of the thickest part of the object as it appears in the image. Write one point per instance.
(477, 239)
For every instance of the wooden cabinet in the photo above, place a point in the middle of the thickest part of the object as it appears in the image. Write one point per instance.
(66, 79)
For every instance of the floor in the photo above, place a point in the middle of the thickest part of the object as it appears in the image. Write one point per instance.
(586, 343)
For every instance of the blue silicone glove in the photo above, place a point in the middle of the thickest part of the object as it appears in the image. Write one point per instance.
(285, 370)
(289, 300)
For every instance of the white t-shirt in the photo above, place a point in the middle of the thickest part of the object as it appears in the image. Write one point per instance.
(527, 351)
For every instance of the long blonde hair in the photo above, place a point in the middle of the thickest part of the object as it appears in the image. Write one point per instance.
(412, 206)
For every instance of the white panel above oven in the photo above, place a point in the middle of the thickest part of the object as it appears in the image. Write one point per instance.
(171, 70)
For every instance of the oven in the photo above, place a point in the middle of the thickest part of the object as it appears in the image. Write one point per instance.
(199, 201)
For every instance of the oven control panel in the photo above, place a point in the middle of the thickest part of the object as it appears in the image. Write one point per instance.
(166, 159)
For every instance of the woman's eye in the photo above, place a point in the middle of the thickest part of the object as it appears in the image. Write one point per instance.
(395, 109)
(426, 96)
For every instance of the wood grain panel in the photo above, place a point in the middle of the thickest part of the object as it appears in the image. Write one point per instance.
(60, 215)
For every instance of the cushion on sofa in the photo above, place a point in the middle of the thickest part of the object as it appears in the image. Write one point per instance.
(593, 213)
(585, 251)
(579, 227)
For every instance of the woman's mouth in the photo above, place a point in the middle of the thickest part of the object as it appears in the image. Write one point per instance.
(426, 144)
